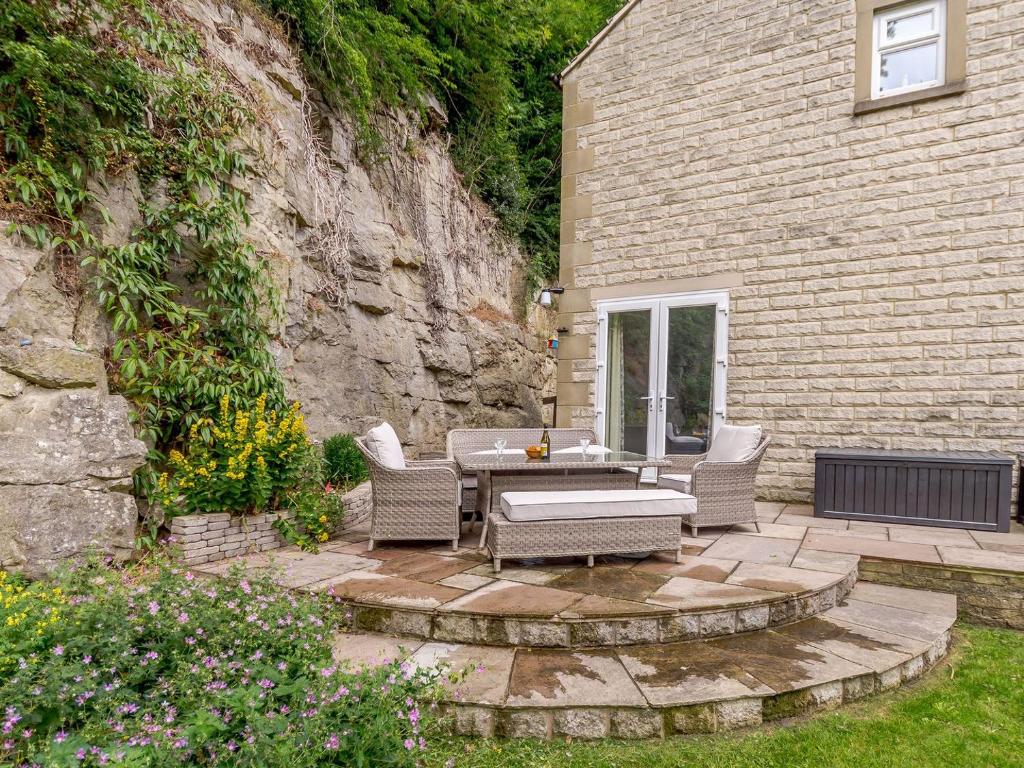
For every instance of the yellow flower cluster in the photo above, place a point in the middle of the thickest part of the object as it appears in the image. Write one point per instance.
(238, 461)
(36, 604)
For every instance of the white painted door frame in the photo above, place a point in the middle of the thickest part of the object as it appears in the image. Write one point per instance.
(659, 306)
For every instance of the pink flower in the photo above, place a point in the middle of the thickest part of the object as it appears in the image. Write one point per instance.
(332, 742)
(58, 650)
(154, 607)
(409, 743)
(59, 737)
(183, 618)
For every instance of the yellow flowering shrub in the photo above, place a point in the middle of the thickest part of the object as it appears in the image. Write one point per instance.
(242, 462)
(249, 461)
(26, 611)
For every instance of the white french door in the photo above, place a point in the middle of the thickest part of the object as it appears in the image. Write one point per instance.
(661, 364)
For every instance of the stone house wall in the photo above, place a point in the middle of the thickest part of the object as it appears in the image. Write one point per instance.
(874, 262)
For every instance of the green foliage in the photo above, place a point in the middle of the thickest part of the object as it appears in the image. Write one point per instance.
(346, 466)
(491, 62)
(100, 87)
(158, 668)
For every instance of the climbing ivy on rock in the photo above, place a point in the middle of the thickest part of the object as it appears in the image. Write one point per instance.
(95, 89)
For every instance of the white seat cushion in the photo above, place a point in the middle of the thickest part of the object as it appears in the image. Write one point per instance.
(734, 443)
(679, 483)
(582, 505)
(470, 481)
(384, 444)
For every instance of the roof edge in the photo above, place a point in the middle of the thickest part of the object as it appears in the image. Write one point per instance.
(596, 40)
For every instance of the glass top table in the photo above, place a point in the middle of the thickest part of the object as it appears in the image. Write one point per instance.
(511, 461)
(484, 463)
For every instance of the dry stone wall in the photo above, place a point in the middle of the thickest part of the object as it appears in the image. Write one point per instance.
(874, 262)
(402, 301)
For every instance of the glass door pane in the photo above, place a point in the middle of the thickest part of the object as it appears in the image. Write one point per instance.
(629, 391)
(687, 404)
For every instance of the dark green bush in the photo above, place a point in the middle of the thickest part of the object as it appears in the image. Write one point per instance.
(345, 464)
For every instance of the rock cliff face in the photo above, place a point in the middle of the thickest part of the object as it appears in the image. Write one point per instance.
(402, 301)
(401, 295)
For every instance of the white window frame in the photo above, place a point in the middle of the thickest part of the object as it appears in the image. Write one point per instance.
(881, 47)
(659, 306)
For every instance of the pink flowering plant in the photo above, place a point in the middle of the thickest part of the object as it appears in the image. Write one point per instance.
(160, 668)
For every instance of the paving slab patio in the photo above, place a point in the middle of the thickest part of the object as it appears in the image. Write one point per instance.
(889, 550)
(679, 674)
(365, 587)
(785, 663)
(692, 567)
(371, 650)
(570, 678)
(483, 671)
(754, 549)
(512, 599)
(780, 578)
(692, 594)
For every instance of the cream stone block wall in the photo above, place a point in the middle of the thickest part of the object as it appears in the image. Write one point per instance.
(875, 263)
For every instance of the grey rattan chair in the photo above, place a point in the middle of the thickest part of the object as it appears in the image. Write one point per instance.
(724, 489)
(419, 502)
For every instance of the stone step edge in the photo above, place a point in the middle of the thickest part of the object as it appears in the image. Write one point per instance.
(652, 722)
(604, 632)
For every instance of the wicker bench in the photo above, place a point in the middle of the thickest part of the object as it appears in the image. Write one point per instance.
(587, 523)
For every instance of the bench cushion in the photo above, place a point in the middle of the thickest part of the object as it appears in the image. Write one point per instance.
(580, 505)
(679, 483)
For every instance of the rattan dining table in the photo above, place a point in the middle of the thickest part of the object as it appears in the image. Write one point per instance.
(564, 471)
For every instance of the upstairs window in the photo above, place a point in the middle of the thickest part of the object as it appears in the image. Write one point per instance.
(909, 51)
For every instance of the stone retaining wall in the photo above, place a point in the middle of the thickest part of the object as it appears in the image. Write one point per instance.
(217, 536)
(212, 537)
(995, 598)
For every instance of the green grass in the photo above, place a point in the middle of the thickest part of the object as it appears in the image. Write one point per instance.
(968, 712)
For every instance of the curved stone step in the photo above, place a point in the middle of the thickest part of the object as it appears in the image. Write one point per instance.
(618, 603)
(876, 640)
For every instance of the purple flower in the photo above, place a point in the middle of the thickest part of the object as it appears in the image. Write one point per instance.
(183, 618)
(332, 742)
(59, 737)
(58, 650)
(265, 684)
(154, 607)
(409, 743)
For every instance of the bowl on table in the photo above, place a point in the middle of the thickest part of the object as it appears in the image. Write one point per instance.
(535, 451)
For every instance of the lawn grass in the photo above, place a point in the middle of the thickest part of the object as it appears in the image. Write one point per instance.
(967, 712)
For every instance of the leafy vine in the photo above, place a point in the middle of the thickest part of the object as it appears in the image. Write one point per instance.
(94, 88)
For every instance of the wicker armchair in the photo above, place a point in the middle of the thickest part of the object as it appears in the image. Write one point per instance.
(724, 489)
(421, 501)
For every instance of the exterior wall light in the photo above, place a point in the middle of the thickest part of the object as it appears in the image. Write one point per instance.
(545, 295)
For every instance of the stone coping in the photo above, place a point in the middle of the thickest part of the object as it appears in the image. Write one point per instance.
(427, 591)
(877, 640)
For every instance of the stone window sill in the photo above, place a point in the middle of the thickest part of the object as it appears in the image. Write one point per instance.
(927, 94)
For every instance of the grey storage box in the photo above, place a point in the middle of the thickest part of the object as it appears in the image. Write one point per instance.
(951, 489)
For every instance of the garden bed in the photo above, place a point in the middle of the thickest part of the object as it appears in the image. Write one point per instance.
(217, 536)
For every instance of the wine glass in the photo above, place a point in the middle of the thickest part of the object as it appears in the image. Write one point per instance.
(499, 446)
(584, 446)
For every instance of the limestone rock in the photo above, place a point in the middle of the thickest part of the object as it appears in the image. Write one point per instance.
(43, 525)
(52, 363)
(76, 437)
(67, 459)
